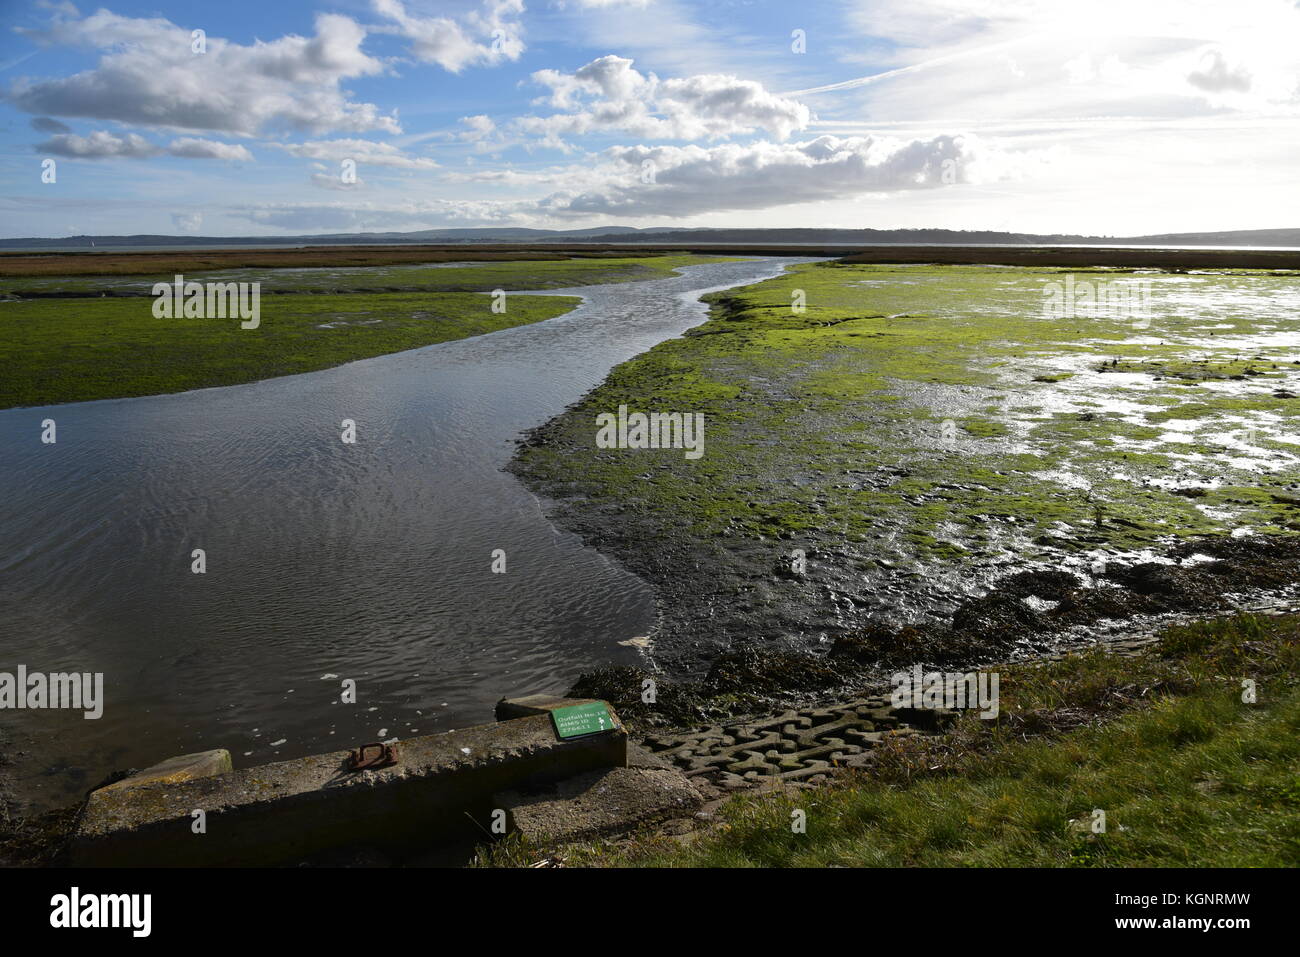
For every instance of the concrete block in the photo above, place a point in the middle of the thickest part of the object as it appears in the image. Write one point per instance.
(440, 790)
(186, 767)
(600, 803)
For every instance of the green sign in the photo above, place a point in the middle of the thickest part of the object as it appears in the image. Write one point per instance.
(580, 719)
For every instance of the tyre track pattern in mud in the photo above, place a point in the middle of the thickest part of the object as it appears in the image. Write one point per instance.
(792, 748)
(801, 748)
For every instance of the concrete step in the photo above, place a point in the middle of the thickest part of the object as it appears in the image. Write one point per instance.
(441, 788)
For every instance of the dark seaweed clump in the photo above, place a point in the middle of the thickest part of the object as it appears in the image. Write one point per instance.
(1025, 613)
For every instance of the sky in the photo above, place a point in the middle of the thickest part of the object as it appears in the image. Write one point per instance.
(248, 117)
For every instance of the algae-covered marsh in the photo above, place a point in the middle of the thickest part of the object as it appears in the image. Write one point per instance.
(1186, 772)
(73, 350)
(917, 431)
(70, 343)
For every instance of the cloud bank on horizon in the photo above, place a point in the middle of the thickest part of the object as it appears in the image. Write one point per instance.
(375, 115)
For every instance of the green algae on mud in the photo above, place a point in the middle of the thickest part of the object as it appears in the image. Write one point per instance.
(74, 350)
(918, 431)
(58, 348)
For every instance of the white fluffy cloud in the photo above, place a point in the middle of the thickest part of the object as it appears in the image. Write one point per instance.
(104, 145)
(191, 147)
(689, 180)
(149, 75)
(609, 94)
(98, 145)
(362, 152)
(477, 128)
(1215, 75)
(350, 217)
(489, 35)
(607, 4)
(1158, 59)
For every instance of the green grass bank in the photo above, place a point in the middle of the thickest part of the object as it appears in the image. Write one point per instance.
(83, 338)
(1188, 774)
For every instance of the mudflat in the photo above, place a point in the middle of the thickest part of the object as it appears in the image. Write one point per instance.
(939, 464)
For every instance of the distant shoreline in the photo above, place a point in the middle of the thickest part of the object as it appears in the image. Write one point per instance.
(676, 236)
(470, 247)
(126, 261)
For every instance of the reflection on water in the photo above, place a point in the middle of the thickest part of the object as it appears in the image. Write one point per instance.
(325, 561)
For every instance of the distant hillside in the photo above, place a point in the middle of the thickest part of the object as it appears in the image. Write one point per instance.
(1239, 237)
(630, 234)
(872, 237)
(484, 234)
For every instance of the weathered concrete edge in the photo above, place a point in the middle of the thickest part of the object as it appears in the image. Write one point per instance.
(283, 812)
(601, 804)
(185, 767)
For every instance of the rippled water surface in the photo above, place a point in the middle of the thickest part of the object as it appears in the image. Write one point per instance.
(325, 561)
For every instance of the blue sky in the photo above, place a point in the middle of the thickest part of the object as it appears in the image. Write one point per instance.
(1028, 115)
